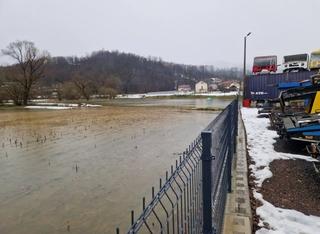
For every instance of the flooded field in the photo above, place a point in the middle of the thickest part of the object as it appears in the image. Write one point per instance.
(83, 170)
(192, 103)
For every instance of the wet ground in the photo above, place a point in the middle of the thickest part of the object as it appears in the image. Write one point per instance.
(294, 185)
(193, 103)
(83, 170)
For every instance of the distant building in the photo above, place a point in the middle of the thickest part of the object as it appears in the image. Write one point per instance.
(214, 80)
(184, 88)
(234, 86)
(213, 87)
(201, 87)
(229, 85)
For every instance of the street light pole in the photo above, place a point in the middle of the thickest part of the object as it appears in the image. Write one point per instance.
(244, 61)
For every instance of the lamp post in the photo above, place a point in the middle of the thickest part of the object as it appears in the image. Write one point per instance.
(244, 61)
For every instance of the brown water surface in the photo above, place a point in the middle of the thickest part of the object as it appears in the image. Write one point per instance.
(83, 170)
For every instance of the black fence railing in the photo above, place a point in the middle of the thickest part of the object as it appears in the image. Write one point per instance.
(192, 197)
(219, 145)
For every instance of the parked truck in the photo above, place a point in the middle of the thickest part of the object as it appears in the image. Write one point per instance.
(295, 62)
(314, 63)
(264, 63)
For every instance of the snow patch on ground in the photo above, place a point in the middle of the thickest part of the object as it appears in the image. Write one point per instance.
(59, 106)
(176, 93)
(260, 145)
(49, 107)
(285, 220)
(218, 94)
(260, 142)
(90, 105)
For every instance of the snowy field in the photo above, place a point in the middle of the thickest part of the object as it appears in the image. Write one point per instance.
(260, 142)
(59, 106)
(176, 93)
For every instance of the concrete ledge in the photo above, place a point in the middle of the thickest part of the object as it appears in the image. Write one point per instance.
(237, 225)
(238, 217)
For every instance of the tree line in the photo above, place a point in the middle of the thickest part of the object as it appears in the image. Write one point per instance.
(102, 73)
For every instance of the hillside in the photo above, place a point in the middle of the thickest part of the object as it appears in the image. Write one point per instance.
(130, 73)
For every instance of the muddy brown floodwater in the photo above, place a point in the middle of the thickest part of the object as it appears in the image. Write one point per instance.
(84, 170)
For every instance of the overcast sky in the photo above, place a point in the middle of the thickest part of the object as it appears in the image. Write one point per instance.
(182, 31)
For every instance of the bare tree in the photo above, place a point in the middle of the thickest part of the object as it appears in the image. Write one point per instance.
(2, 89)
(29, 68)
(14, 92)
(83, 84)
(109, 87)
(10, 90)
(110, 93)
(69, 91)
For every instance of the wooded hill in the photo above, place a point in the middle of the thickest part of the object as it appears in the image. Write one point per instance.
(103, 74)
(129, 73)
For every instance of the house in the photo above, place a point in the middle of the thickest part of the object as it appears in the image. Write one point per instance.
(213, 87)
(201, 87)
(234, 86)
(215, 80)
(184, 88)
(230, 85)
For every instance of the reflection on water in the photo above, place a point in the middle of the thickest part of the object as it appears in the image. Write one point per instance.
(181, 103)
(83, 170)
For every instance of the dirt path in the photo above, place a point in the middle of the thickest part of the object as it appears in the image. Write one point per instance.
(294, 185)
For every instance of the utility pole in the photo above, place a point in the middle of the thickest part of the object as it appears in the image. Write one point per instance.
(244, 62)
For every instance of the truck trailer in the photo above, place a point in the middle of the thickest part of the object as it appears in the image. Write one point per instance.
(263, 87)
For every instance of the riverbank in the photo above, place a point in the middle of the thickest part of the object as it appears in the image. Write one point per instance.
(201, 104)
(180, 94)
(143, 97)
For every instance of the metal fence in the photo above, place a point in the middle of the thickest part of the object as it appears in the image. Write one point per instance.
(192, 197)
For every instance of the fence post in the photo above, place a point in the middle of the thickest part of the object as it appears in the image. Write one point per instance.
(206, 159)
(235, 124)
(237, 114)
(230, 148)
